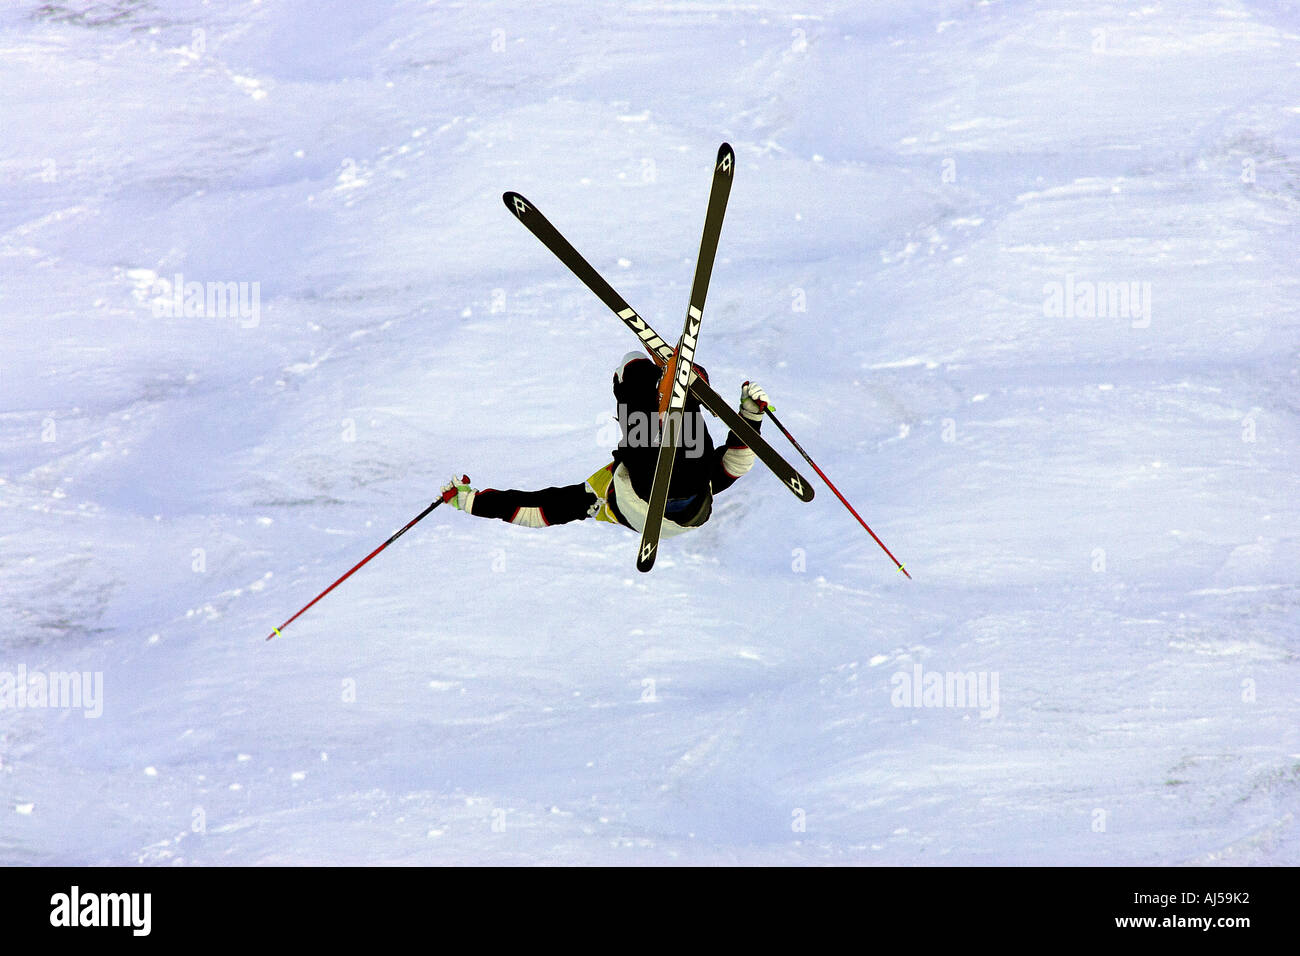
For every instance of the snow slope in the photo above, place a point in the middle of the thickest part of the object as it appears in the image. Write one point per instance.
(1100, 512)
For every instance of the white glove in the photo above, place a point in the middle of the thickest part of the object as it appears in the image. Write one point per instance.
(752, 401)
(459, 494)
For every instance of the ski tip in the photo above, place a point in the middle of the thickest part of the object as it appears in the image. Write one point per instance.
(726, 159)
(802, 489)
(516, 203)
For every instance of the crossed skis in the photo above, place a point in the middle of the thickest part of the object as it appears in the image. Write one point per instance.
(680, 373)
(680, 361)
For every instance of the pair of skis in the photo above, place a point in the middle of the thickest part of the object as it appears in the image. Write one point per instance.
(679, 361)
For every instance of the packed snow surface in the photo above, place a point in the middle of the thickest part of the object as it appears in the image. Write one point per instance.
(1022, 277)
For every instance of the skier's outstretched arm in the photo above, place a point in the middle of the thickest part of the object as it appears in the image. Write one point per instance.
(531, 509)
(734, 459)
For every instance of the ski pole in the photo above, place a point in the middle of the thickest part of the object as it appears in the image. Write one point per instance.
(772, 415)
(447, 496)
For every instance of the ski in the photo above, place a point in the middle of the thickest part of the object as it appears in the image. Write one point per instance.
(659, 350)
(683, 359)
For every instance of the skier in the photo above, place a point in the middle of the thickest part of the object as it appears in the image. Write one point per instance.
(619, 492)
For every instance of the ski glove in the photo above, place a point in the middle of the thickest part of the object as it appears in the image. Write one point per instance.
(752, 401)
(459, 494)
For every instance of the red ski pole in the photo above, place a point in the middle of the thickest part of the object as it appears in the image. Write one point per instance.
(772, 415)
(447, 496)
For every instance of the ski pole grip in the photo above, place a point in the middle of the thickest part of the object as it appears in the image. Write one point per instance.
(451, 492)
(763, 406)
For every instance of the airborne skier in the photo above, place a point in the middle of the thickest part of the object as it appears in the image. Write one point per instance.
(620, 491)
(683, 389)
(658, 485)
